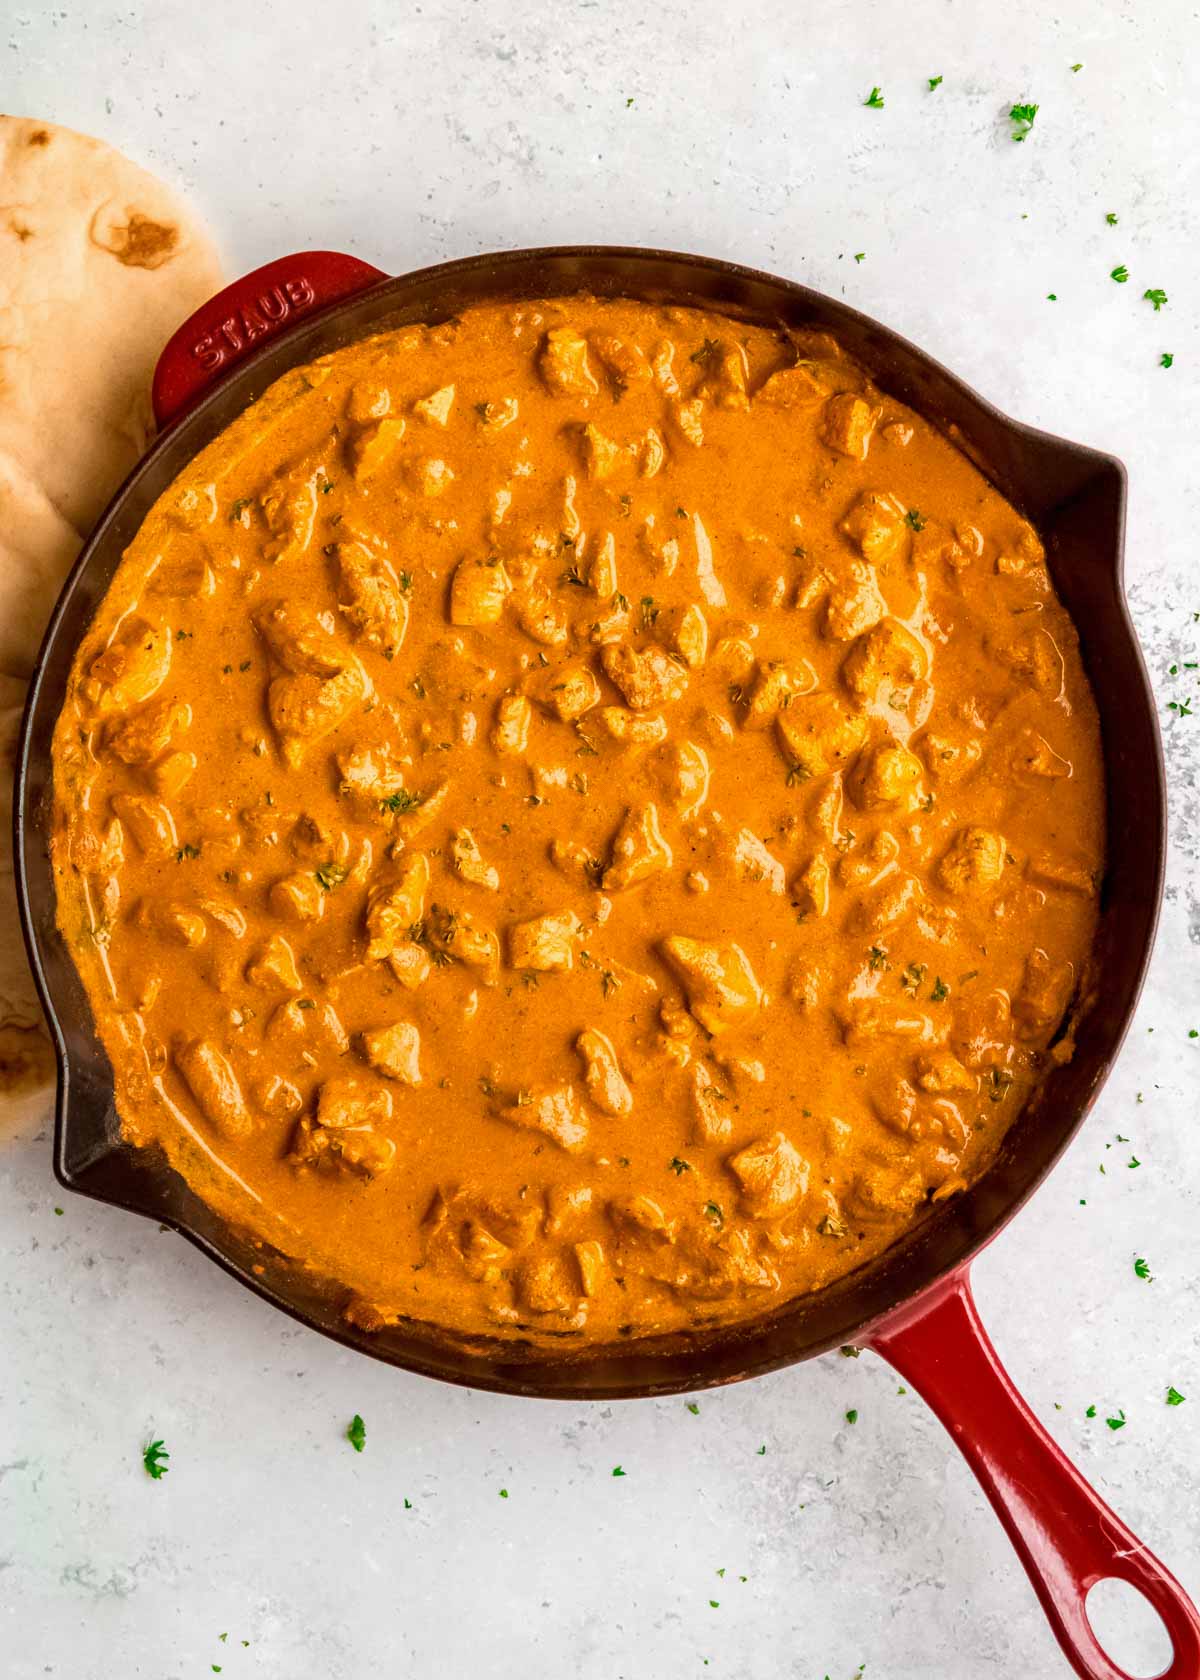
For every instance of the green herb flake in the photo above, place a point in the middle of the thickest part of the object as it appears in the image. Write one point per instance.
(400, 801)
(935, 82)
(154, 1457)
(617, 1470)
(852, 1415)
(940, 991)
(874, 100)
(677, 1166)
(713, 1211)
(693, 1408)
(1166, 359)
(915, 519)
(860, 256)
(1075, 68)
(356, 1434)
(331, 875)
(1022, 118)
(762, 1452)
(1120, 274)
(238, 509)
(1156, 296)
(187, 851)
(406, 581)
(1174, 1398)
(1117, 1422)
(1111, 219)
(504, 1493)
(1091, 1412)
(1142, 1269)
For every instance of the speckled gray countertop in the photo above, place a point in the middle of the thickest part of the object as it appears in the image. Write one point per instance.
(411, 133)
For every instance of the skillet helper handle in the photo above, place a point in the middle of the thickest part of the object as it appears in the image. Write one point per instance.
(1065, 1535)
(244, 316)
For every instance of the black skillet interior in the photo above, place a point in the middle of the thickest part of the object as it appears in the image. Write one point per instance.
(1076, 498)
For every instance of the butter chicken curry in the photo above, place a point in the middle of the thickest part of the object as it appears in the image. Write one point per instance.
(583, 819)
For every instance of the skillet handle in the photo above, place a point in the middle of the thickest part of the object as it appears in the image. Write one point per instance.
(242, 317)
(1065, 1535)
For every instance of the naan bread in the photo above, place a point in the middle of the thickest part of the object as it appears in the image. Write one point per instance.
(99, 263)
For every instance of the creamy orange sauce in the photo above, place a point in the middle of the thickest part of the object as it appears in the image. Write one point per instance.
(584, 819)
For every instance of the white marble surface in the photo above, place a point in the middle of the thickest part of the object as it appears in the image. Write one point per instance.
(410, 133)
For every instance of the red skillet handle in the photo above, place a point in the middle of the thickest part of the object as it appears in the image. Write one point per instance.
(1065, 1535)
(226, 329)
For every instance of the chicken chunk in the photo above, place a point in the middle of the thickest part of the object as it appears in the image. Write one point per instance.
(974, 863)
(299, 640)
(304, 709)
(395, 905)
(721, 989)
(889, 655)
(436, 407)
(546, 944)
(563, 364)
(459, 936)
(601, 455)
(802, 386)
(395, 1051)
(353, 1101)
(573, 692)
(150, 823)
(478, 591)
(638, 850)
(371, 446)
(890, 775)
(510, 734)
(810, 889)
(131, 669)
(370, 781)
(819, 735)
(777, 683)
(648, 677)
(848, 423)
(876, 526)
(753, 862)
(147, 734)
(356, 1149)
(854, 604)
(1045, 991)
(468, 861)
(214, 1085)
(633, 728)
(772, 1175)
(555, 1113)
(606, 1086)
(370, 598)
(679, 771)
(273, 967)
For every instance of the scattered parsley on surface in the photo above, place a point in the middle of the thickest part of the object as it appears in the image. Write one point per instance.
(1117, 1422)
(1111, 218)
(1174, 1398)
(1120, 274)
(1142, 1269)
(693, 1408)
(1166, 359)
(153, 1458)
(677, 1166)
(1156, 296)
(1076, 67)
(1091, 1412)
(504, 1493)
(331, 875)
(1133, 1161)
(762, 1451)
(935, 82)
(852, 1415)
(915, 519)
(357, 1433)
(1022, 117)
(874, 100)
(59, 1212)
(940, 991)
(617, 1470)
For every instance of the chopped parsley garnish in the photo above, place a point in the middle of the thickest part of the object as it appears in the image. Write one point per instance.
(1022, 117)
(1000, 1079)
(860, 256)
(877, 958)
(1156, 296)
(1181, 708)
(935, 82)
(406, 581)
(153, 1457)
(713, 1211)
(617, 1470)
(1091, 1412)
(649, 611)
(238, 509)
(915, 519)
(1120, 274)
(1166, 359)
(692, 1407)
(678, 1166)
(1142, 1269)
(187, 851)
(504, 1493)
(829, 1226)
(402, 800)
(796, 773)
(331, 875)
(874, 100)
(852, 1415)
(1174, 1398)
(1117, 1422)
(940, 991)
(1076, 67)
(357, 1433)
(1111, 219)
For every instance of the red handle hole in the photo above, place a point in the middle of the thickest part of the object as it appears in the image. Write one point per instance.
(1129, 1628)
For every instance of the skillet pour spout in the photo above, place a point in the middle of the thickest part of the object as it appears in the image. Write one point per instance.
(912, 1303)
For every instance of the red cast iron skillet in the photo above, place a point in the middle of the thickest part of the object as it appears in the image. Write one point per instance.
(913, 1304)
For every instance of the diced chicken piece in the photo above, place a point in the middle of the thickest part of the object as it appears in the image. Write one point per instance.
(753, 862)
(889, 654)
(776, 685)
(867, 1020)
(468, 861)
(725, 368)
(888, 775)
(647, 677)
(632, 728)
(893, 901)
(679, 770)
(297, 898)
(810, 889)
(1032, 755)
(863, 868)
(304, 709)
(290, 510)
(721, 989)
(371, 446)
(887, 1192)
(411, 964)
(819, 735)
(876, 525)
(353, 1101)
(147, 734)
(567, 1208)
(370, 780)
(641, 1214)
(395, 1052)
(368, 400)
(848, 423)
(306, 1028)
(651, 454)
(171, 775)
(602, 568)
(802, 386)
(982, 1029)
(131, 669)
(150, 823)
(638, 850)
(624, 361)
(1045, 992)
(436, 407)
(974, 862)
(1036, 659)
(949, 761)
(573, 692)
(606, 1086)
(458, 935)
(601, 455)
(772, 1174)
(563, 364)
(661, 552)
(689, 417)
(554, 1113)
(178, 924)
(943, 1074)
(429, 475)
(370, 597)
(827, 810)
(273, 967)
(356, 1149)
(395, 906)
(478, 591)
(855, 604)
(711, 1118)
(546, 943)
(589, 1257)
(661, 363)
(734, 655)
(545, 1287)
(299, 640)
(1062, 875)
(510, 735)
(691, 637)
(214, 1085)
(411, 816)
(542, 616)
